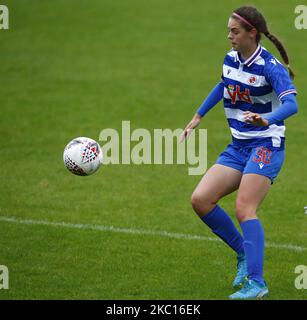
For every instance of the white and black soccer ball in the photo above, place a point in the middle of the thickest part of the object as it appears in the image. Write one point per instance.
(82, 156)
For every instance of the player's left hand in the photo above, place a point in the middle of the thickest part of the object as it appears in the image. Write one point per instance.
(255, 119)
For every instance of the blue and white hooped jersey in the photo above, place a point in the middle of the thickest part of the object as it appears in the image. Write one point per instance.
(255, 85)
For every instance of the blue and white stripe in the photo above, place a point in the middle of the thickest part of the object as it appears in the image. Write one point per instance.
(262, 82)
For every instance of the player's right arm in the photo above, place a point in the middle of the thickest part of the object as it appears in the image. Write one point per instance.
(212, 99)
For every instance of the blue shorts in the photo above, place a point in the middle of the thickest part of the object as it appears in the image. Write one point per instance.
(259, 160)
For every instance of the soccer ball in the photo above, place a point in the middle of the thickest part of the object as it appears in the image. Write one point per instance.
(82, 156)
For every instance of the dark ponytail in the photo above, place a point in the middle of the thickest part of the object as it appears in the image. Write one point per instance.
(256, 19)
(281, 50)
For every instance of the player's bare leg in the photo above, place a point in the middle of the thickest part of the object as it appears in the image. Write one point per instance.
(252, 191)
(218, 181)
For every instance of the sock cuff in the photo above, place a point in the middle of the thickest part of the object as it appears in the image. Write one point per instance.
(251, 227)
(250, 223)
(207, 216)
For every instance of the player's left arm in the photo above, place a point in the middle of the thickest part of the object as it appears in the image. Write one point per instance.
(287, 109)
(277, 75)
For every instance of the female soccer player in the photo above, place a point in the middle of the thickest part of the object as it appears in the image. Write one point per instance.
(258, 96)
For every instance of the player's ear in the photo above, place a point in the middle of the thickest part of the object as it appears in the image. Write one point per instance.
(253, 32)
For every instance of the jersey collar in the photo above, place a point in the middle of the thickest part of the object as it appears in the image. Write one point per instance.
(252, 58)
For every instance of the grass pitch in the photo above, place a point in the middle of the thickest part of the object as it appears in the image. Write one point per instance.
(73, 68)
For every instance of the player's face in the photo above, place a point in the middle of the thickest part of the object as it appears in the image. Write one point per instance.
(241, 40)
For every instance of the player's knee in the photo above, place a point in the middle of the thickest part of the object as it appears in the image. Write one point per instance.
(201, 204)
(244, 210)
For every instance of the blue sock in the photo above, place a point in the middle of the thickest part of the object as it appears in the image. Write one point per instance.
(221, 224)
(254, 248)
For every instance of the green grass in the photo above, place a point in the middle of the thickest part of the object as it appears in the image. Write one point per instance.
(73, 68)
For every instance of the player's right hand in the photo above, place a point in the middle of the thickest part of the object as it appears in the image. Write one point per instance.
(189, 128)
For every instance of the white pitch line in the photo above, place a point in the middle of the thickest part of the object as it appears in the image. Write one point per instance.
(135, 231)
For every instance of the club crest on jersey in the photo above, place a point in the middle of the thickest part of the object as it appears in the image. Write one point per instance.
(252, 80)
(237, 94)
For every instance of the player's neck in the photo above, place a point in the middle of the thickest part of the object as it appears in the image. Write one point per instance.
(248, 52)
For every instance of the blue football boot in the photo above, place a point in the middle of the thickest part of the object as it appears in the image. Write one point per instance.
(242, 273)
(251, 290)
